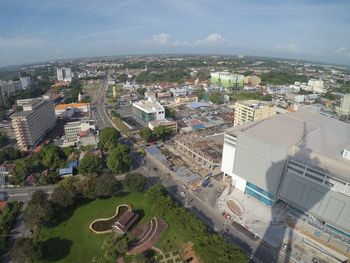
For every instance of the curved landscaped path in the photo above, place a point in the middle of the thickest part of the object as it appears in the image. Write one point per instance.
(153, 232)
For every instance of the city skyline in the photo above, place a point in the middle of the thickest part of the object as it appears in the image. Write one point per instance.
(39, 31)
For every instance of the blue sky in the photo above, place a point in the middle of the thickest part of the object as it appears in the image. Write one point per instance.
(40, 30)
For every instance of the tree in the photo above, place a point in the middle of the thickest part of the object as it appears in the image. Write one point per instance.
(3, 139)
(141, 258)
(121, 246)
(51, 156)
(134, 182)
(86, 187)
(108, 138)
(9, 153)
(38, 211)
(62, 197)
(216, 97)
(162, 132)
(90, 165)
(109, 248)
(22, 171)
(104, 185)
(169, 112)
(119, 159)
(146, 134)
(24, 249)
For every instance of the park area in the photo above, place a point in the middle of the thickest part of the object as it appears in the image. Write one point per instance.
(69, 238)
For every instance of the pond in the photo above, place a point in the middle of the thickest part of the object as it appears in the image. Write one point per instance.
(104, 225)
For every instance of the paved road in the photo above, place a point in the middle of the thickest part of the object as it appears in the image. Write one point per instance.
(24, 194)
(210, 215)
(99, 107)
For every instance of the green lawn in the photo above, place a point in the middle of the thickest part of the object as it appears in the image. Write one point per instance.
(72, 241)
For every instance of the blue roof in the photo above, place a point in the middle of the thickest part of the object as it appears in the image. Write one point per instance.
(198, 126)
(64, 171)
(154, 150)
(72, 164)
(200, 104)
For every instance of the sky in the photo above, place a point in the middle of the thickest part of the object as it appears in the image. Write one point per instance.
(42, 30)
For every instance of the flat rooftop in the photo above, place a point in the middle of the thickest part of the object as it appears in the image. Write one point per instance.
(255, 104)
(148, 105)
(305, 135)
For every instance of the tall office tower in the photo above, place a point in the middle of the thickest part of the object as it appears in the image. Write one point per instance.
(252, 110)
(31, 124)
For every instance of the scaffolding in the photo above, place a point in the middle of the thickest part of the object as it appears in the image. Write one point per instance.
(204, 152)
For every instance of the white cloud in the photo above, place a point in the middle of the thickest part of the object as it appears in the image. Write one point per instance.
(20, 42)
(287, 47)
(211, 39)
(343, 51)
(161, 39)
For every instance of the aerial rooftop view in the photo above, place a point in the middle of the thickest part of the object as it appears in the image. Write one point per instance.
(175, 131)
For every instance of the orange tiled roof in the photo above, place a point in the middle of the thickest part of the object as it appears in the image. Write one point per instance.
(71, 105)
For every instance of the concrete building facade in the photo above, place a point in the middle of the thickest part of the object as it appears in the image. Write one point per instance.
(64, 74)
(252, 110)
(31, 124)
(298, 158)
(145, 111)
(227, 80)
(344, 108)
(72, 130)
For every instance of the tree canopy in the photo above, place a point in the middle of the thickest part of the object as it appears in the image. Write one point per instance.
(63, 197)
(134, 182)
(90, 165)
(38, 211)
(147, 134)
(108, 138)
(162, 132)
(104, 185)
(119, 159)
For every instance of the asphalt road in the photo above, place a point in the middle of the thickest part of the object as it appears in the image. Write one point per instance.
(210, 215)
(99, 107)
(24, 194)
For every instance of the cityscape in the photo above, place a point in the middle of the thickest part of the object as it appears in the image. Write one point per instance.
(174, 150)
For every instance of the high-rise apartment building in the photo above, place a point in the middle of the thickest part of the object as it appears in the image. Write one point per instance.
(64, 74)
(227, 80)
(31, 124)
(344, 108)
(26, 82)
(252, 110)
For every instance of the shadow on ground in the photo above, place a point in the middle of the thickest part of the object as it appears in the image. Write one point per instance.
(56, 248)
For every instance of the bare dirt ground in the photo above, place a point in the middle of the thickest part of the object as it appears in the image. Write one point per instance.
(188, 252)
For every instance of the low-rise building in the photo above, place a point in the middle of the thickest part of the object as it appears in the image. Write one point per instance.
(166, 123)
(145, 111)
(73, 130)
(67, 110)
(182, 100)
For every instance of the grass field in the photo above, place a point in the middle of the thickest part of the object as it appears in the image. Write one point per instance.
(70, 240)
